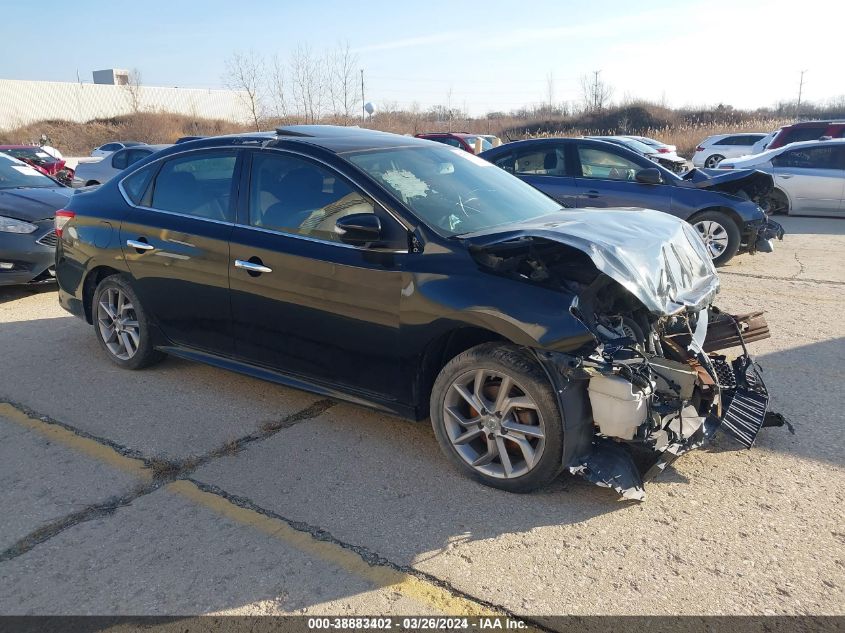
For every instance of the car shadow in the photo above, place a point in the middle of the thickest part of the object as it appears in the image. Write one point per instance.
(13, 293)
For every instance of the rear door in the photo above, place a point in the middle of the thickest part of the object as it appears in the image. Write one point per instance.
(544, 167)
(175, 239)
(813, 177)
(317, 308)
(607, 178)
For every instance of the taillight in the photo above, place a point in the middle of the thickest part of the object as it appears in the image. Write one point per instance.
(699, 149)
(63, 216)
(663, 150)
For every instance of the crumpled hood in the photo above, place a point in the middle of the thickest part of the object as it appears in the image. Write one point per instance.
(33, 204)
(658, 258)
(752, 181)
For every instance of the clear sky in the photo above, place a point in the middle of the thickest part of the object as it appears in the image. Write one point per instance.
(492, 55)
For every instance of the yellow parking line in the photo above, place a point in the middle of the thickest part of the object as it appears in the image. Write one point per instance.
(411, 586)
(423, 591)
(92, 448)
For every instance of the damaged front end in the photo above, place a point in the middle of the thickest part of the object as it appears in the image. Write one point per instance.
(654, 384)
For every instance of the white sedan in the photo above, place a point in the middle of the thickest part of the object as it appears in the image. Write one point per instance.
(809, 176)
(110, 148)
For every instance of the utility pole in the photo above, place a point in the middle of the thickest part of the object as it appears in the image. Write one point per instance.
(800, 90)
(363, 100)
(596, 89)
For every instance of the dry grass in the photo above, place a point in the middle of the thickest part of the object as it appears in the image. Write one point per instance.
(685, 130)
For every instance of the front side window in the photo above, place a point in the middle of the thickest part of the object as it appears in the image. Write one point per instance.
(599, 163)
(807, 158)
(543, 161)
(197, 184)
(452, 191)
(296, 196)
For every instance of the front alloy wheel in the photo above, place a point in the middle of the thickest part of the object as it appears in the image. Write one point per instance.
(714, 235)
(497, 418)
(493, 424)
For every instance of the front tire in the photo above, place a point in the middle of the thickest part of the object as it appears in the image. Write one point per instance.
(511, 439)
(720, 235)
(121, 324)
(778, 203)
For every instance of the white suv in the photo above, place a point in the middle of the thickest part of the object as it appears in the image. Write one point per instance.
(715, 148)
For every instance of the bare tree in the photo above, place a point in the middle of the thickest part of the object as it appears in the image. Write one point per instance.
(279, 88)
(550, 91)
(133, 90)
(245, 75)
(308, 77)
(595, 92)
(343, 85)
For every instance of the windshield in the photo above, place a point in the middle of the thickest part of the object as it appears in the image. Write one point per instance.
(451, 190)
(14, 173)
(485, 144)
(34, 153)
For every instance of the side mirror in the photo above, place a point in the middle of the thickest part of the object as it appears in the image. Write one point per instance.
(358, 229)
(649, 176)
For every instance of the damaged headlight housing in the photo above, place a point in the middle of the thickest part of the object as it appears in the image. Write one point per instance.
(11, 225)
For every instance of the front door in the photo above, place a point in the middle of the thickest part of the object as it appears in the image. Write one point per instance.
(303, 302)
(175, 239)
(608, 179)
(814, 177)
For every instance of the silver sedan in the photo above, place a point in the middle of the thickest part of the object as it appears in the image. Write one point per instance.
(809, 176)
(99, 171)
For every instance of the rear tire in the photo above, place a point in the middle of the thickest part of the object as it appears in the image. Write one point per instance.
(720, 234)
(512, 441)
(713, 161)
(121, 324)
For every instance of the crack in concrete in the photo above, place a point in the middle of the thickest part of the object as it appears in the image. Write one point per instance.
(828, 282)
(374, 559)
(800, 267)
(163, 471)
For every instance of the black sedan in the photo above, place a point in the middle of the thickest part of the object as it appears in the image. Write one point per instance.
(418, 279)
(726, 210)
(28, 203)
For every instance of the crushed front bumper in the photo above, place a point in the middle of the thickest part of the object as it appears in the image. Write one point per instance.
(744, 412)
(762, 236)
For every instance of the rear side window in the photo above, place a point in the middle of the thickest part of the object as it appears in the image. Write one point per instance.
(135, 155)
(110, 147)
(542, 161)
(135, 185)
(506, 162)
(198, 184)
(119, 160)
(292, 195)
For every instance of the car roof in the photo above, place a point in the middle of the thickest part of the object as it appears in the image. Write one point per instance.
(816, 123)
(20, 147)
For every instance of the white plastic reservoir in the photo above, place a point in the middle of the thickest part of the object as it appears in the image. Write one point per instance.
(618, 408)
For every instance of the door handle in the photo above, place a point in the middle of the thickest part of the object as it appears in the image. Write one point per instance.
(786, 176)
(593, 194)
(252, 267)
(141, 246)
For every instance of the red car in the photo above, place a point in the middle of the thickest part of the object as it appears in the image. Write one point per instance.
(807, 131)
(40, 160)
(462, 140)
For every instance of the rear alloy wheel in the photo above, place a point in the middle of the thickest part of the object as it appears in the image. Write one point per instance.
(713, 161)
(121, 324)
(720, 235)
(497, 419)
